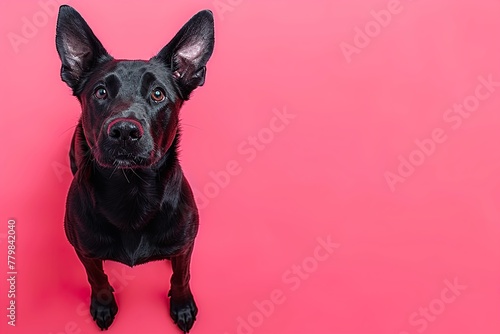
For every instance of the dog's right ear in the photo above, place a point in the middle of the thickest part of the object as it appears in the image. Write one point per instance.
(79, 49)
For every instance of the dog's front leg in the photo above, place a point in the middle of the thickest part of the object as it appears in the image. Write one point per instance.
(183, 309)
(103, 306)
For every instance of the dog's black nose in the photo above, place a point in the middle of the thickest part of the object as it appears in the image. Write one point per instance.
(125, 129)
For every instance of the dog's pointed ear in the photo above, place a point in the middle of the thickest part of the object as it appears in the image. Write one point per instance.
(77, 46)
(189, 51)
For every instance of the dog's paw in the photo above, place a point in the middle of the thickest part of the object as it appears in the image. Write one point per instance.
(183, 311)
(103, 309)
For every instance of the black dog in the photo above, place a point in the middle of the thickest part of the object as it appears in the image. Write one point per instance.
(129, 200)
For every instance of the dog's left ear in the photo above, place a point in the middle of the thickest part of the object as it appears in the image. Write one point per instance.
(189, 51)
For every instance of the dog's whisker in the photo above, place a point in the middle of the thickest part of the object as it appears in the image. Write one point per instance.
(125, 174)
(193, 126)
(147, 183)
(70, 128)
(114, 170)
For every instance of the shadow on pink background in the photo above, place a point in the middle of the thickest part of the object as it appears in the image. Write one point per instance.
(362, 139)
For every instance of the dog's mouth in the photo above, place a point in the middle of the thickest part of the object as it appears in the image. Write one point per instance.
(125, 160)
(129, 161)
(125, 157)
(122, 160)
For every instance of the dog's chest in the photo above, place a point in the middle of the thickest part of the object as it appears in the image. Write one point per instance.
(134, 245)
(130, 223)
(128, 206)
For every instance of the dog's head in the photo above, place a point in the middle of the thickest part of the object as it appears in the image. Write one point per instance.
(130, 108)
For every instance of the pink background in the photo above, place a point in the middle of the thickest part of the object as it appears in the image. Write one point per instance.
(355, 119)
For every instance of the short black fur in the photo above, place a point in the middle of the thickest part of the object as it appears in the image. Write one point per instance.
(129, 200)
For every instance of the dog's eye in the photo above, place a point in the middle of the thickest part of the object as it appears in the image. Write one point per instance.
(157, 95)
(101, 93)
